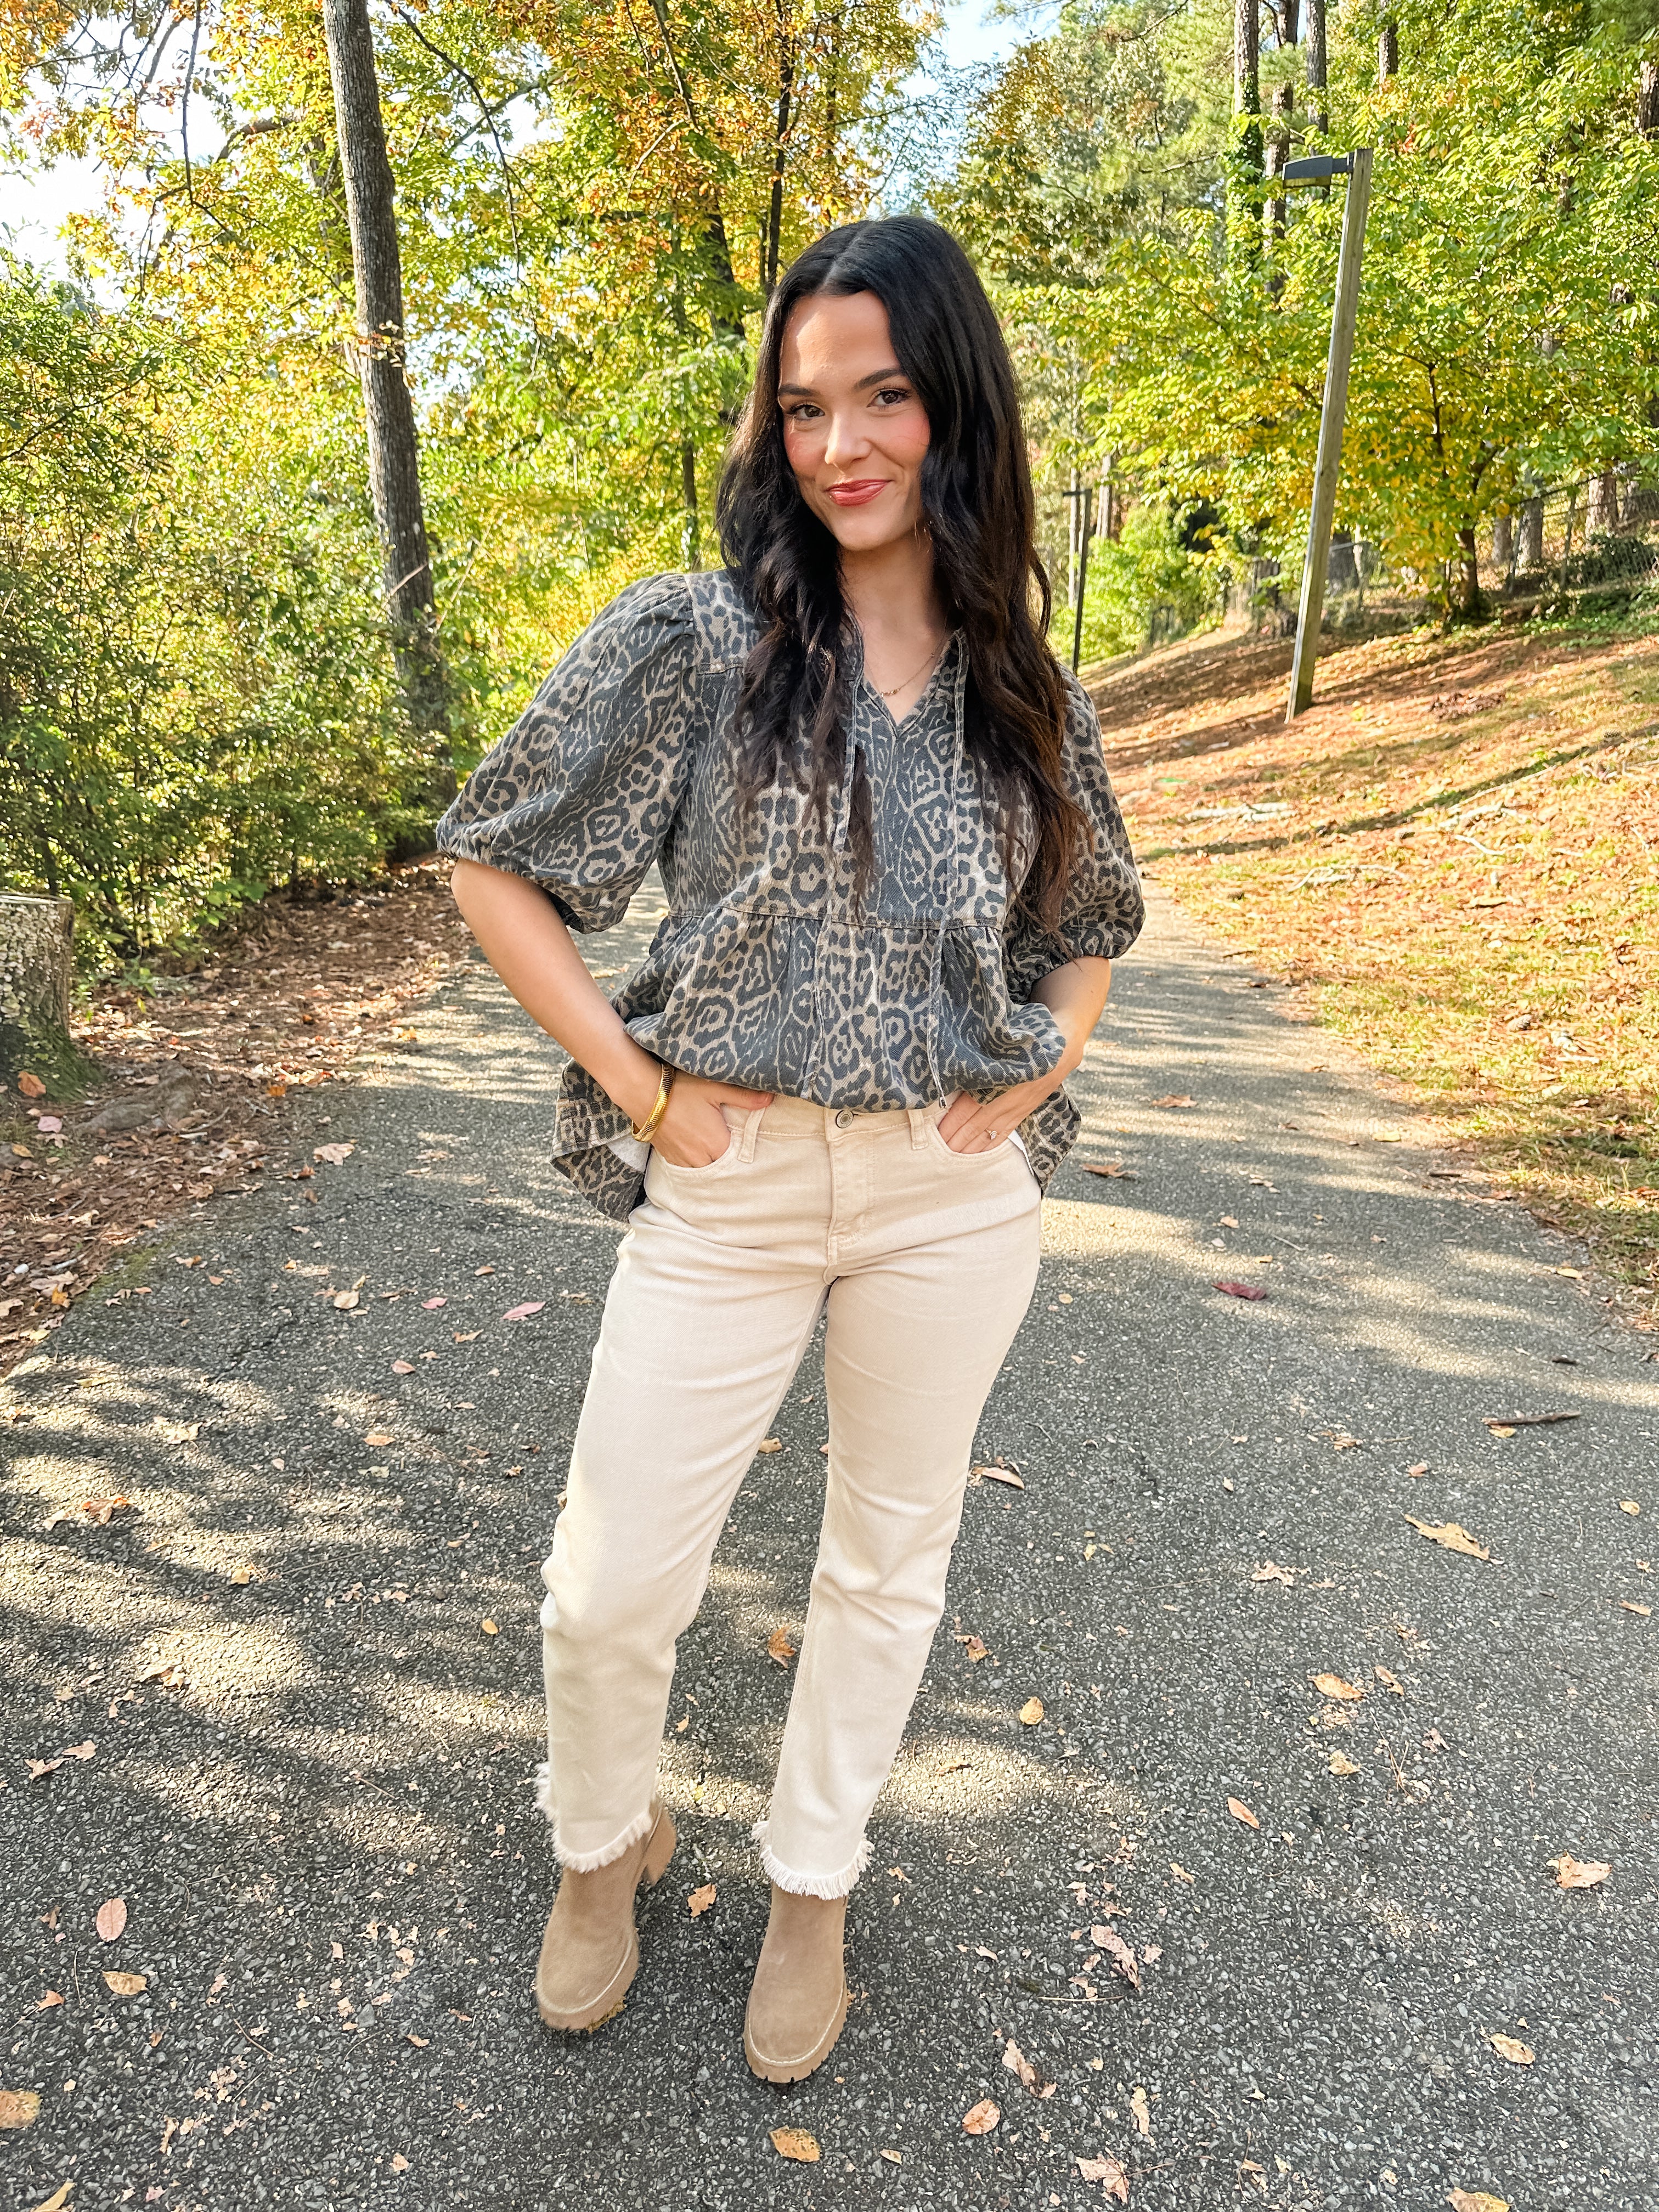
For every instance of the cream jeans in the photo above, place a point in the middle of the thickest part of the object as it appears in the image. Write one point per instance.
(926, 1259)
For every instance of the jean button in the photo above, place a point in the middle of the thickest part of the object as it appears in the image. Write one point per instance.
(845, 1118)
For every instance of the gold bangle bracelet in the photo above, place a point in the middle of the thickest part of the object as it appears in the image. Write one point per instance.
(647, 1129)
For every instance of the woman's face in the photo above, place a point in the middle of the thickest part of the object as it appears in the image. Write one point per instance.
(854, 429)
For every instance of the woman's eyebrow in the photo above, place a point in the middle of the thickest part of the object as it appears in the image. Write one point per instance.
(810, 391)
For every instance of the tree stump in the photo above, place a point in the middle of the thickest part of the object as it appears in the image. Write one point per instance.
(37, 936)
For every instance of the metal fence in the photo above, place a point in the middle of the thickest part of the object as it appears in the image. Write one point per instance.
(1592, 538)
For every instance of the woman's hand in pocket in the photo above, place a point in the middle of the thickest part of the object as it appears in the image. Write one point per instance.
(693, 1132)
(973, 1125)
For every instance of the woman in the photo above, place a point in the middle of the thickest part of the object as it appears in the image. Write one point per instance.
(896, 877)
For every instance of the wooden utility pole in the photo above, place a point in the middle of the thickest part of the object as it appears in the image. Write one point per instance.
(394, 473)
(1358, 167)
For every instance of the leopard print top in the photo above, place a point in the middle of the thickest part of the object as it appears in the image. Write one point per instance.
(766, 972)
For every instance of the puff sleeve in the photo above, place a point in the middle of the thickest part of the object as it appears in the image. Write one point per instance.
(1103, 908)
(579, 793)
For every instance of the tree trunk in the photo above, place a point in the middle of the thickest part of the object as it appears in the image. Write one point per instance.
(780, 144)
(1388, 52)
(388, 413)
(37, 937)
(1245, 211)
(1503, 544)
(1318, 67)
(1278, 152)
(1601, 518)
(1529, 544)
(1471, 603)
(1647, 100)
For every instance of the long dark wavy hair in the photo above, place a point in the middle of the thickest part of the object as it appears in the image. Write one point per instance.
(792, 710)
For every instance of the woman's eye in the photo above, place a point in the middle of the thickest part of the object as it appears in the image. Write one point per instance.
(803, 412)
(893, 395)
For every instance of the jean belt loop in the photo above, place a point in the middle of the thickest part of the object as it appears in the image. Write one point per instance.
(918, 1119)
(751, 1121)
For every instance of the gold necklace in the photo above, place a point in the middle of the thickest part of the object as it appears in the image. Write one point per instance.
(932, 661)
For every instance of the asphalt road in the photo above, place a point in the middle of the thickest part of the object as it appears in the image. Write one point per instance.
(318, 1815)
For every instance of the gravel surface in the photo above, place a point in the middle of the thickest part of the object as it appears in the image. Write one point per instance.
(299, 1658)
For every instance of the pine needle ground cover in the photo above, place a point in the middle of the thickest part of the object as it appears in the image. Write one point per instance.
(1456, 855)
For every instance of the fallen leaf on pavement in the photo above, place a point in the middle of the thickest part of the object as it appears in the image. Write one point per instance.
(1334, 1685)
(99, 1510)
(700, 1900)
(976, 1648)
(1630, 1605)
(1579, 1874)
(1031, 1712)
(51, 1997)
(403, 1367)
(1242, 1811)
(431, 1305)
(489, 1627)
(376, 1439)
(19, 2108)
(1179, 1872)
(126, 1985)
(1476, 2200)
(1123, 1959)
(779, 1647)
(1137, 2111)
(111, 1919)
(1451, 1536)
(796, 2144)
(399, 2163)
(770, 1444)
(345, 1301)
(1271, 1572)
(1526, 1421)
(1108, 2173)
(1113, 1168)
(336, 1155)
(1517, 2053)
(1388, 1681)
(982, 2119)
(1421, 1468)
(1629, 1505)
(241, 1575)
(523, 1313)
(1341, 1764)
(37, 1767)
(1001, 1475)
(892, 2157)
(1240, 1290)
(1016, 2063)
(1175, 1099)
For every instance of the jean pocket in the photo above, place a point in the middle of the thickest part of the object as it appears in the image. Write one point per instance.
(965, 1160)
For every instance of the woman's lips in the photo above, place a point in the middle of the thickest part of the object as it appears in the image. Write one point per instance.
(859, 493)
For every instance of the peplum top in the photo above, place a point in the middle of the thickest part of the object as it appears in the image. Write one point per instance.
(767, 971)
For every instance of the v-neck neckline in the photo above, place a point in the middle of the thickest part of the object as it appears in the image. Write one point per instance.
(899, 725)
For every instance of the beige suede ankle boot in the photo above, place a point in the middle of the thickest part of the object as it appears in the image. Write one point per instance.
(590, 1952)
(797, 2003)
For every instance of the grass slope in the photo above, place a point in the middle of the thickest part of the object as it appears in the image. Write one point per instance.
(1456, 852)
